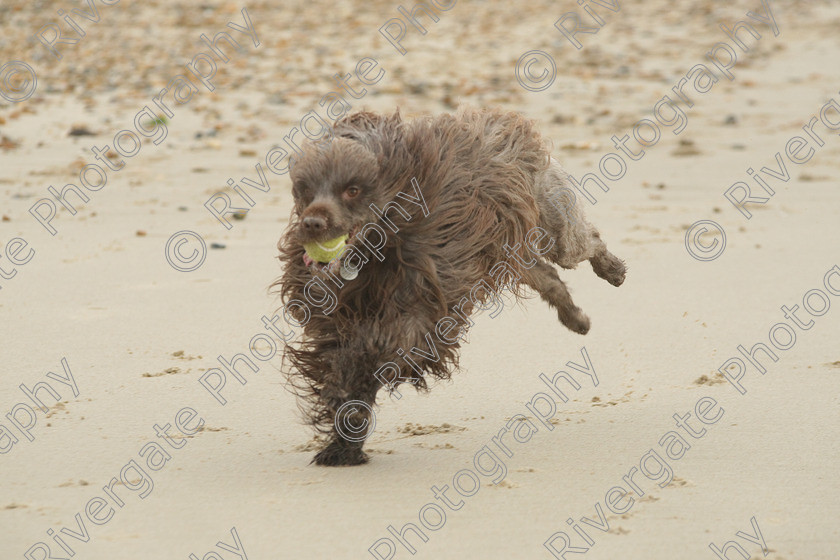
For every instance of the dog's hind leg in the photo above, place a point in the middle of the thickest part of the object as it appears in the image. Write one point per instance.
(609, 267)
(545, 280)
(575, 239)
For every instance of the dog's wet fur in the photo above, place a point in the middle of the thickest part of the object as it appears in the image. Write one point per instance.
(487, 179)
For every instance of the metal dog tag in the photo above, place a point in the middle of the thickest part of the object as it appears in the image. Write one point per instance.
(348, 273)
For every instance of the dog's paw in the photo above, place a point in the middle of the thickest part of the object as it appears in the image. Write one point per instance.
(610, 268)
(340, 454)
(575, 321)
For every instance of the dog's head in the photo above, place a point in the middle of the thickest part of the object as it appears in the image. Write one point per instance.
(333, 185)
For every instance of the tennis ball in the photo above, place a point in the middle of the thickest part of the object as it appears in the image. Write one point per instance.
(325, 251)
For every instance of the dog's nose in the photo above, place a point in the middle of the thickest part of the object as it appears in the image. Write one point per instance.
(314, 223)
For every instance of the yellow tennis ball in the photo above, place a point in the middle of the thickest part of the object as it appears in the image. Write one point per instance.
(325, 251)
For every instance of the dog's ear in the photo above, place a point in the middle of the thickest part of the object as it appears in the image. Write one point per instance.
(356, 125)
(308, 149)
(296, 157)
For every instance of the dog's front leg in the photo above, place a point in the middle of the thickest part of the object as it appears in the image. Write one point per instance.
(346, 401)
(352, 422)
(358, 369)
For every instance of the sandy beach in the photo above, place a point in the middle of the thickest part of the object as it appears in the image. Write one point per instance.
(144, 184)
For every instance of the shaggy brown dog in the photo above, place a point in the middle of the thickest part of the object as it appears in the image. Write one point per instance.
(485, 185)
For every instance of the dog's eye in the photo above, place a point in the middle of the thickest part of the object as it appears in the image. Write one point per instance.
(351, 191)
